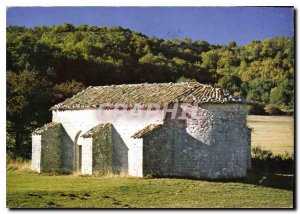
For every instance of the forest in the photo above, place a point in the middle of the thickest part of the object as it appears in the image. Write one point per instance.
(45, 65)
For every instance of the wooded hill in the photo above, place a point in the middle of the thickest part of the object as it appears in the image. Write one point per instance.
(45, 65)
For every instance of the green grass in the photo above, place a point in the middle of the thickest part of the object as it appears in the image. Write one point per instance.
(32, 190)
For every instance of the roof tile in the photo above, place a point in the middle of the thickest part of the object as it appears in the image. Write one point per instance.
(40, 130)
(160, 93)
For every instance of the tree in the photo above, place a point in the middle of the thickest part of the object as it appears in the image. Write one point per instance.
(232, 44)
(66, 90)
(230, 82)
(27, 106)
(185, 79)
(283, 94)
(259, 90)
(210, 62)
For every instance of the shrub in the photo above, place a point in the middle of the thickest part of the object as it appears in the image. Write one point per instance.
(273, 110)
(266, 161)
(257, 109)
(259, 153)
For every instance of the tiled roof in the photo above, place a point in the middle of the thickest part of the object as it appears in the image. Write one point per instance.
(160, 93)
(147, 130)
(93, 131)
(40, 130)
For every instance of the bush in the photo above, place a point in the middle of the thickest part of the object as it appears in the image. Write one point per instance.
(259, 153)
(273, 110)
(257, 109)
(266, 161)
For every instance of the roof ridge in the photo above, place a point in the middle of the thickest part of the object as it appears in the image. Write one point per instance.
(146, 83)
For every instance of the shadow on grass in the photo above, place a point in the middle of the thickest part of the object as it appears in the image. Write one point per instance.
(274, 172)
(271, 172)
(272, 180)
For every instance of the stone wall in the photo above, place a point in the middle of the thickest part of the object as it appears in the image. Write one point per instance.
(231, 138)
(67, 148)
(109, 152)
(120, 152)
(216, 145)
(51, 152)
(172, 151)
(248, 148)
(102, 150)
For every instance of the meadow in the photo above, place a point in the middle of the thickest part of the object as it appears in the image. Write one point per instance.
(271, 188)
(275, 133)
(32, 190)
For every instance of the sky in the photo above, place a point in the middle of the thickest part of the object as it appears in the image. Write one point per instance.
(216, 25)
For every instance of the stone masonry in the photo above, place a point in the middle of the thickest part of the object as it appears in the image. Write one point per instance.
(215, 146)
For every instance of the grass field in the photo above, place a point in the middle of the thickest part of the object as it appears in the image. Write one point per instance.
(261, 189)
(275, 133)
(26, 189)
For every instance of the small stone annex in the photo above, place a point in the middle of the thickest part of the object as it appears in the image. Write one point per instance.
(165, 129)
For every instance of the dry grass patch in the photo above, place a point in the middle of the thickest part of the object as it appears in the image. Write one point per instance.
(275, 133)
(17, 163)
(103, 174)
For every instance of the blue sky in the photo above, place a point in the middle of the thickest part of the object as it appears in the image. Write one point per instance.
(217, 25)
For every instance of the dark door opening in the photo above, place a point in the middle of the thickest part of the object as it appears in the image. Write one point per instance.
(77, 154)
(78, 157)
